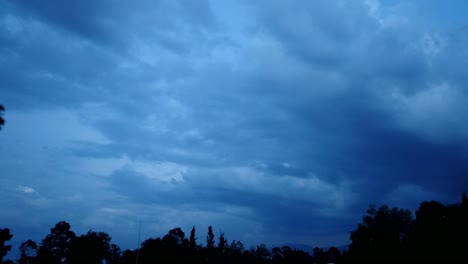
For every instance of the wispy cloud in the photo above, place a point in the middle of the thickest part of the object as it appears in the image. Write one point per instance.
(25, 189)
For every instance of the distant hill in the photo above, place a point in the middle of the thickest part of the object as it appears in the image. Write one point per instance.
(310, 249)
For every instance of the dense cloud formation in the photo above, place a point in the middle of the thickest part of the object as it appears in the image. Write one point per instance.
(272, 120)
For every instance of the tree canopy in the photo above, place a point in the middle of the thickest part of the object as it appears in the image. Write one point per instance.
(5, 236)
(437, 232)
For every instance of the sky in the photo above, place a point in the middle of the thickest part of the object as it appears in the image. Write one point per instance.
(273, 121)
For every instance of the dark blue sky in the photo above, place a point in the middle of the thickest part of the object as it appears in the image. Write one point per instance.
(273, 121)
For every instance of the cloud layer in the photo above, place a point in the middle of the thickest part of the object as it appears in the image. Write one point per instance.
(272, 121)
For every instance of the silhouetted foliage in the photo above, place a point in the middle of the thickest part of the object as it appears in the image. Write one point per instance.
(192, 241)
(333, 255)
(262, 254)
(222, 244)
(319, 256)
(5, 236)
(286, 254)
(128, 257)
(210, 238)
(2, 121)
(28, 252)
(299, 256)
(276, 255)
(236, 249)
(55, 246)
(113, 256)
(438, 233)
(172, 248)
(92, 248)
(382, 234)
(150, 251)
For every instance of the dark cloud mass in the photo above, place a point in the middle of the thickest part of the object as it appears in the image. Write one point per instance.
(274, 121)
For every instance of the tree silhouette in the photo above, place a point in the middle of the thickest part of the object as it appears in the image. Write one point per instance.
(332, 255)
(276, 255)
(222, 244)
(5, 235)
(286, 254)
(192, 241)
(236, 249)
(210, 238)
(129, 257)
(28, 250)
(93, 248)
(429, 229)
(113, 256)
(55, 246)
(440, 232)
(174, 238)
(262, 254)
(152, 251)
(172, 248)
(382, 234)
(2, 121)
(319, 256)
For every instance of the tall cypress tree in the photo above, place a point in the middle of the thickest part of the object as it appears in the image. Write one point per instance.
(222, 244)
(192, 241)
(210, 238)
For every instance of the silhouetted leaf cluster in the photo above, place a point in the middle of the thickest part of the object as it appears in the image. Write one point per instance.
(2, 121)
(438, 233)
(5, 235)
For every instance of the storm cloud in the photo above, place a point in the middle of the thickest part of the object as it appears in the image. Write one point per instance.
(273, 121)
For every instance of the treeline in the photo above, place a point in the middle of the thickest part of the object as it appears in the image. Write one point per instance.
(437, 233)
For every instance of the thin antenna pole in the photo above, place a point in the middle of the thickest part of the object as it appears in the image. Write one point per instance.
(138, 245)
